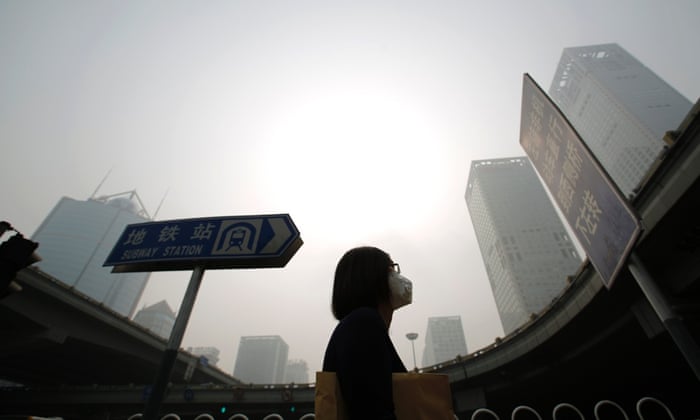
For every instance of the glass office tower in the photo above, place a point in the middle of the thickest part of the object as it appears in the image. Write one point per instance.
(619, 107)
(526, 250)
(210, 353)
(75, 239)
(157, 318)
(297, 372)
(261, 359)
(444, 340)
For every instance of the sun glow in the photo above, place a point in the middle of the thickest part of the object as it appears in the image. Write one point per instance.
(368, 158)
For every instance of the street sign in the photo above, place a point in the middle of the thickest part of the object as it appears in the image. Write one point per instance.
(600, 217)
(258, 241)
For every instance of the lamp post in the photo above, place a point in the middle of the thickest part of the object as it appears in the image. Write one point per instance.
(412, 338)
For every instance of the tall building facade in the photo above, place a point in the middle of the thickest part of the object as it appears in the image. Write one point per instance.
(261, 359)
(297, 372)
(157, 318)
(526, 250)
(75, 239)
(620, 108)
(209, 353)
(444, 340)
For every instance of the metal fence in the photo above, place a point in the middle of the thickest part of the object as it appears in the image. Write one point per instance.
(647, 408)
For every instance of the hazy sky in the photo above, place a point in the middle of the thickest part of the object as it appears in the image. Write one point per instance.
(358, 118)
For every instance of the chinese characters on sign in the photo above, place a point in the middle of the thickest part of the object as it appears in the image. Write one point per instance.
(221, 242)
(599, 215)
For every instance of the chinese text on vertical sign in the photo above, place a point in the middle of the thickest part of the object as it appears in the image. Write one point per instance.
(600, 217)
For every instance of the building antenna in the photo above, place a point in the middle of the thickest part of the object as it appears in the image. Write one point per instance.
(100, 184)
(161, 203)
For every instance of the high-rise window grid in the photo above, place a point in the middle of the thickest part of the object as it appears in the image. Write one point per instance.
(620, 108)
(75, 240)
(526, 251)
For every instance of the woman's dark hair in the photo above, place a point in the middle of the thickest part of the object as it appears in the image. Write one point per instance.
(361, 279)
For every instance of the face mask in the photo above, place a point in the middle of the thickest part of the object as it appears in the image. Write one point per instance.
(401, 290)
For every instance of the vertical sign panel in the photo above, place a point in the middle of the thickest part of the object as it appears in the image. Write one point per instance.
(601, 218)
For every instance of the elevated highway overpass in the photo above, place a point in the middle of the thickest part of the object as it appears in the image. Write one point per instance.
(592, 343)
(54, 335)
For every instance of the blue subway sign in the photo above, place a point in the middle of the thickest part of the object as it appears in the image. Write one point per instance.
(260, 241)
(599, 215)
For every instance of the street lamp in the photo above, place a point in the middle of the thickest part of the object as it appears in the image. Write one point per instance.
(412, 338)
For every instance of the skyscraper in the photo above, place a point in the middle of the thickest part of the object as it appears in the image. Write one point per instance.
(75, 239)
(261, 359)
(620, 108)
(210, 353)
(158, 318)
(297, 372)
(444, 340)
(526, 250)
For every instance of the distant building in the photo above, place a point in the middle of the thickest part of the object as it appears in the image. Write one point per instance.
(444, 340)
(209, 353)
(297, 372)
(261, 359)
(157, 318)
(75, 240)
(526, 250)
(620, 108)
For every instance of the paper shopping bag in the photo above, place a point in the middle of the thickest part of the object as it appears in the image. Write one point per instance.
(417, 396)
(328, 403)
(422, 396)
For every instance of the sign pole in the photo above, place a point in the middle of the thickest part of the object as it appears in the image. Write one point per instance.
(256, 241)
(673, 324)
(155, 398)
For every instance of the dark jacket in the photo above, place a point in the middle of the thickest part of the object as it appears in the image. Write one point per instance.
(363, 357)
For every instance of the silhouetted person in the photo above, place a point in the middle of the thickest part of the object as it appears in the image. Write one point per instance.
(367, 289)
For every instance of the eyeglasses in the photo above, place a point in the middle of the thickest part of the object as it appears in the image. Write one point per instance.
(395, 267)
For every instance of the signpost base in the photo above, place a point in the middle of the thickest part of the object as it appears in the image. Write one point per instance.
(673, 324)
(155, 399)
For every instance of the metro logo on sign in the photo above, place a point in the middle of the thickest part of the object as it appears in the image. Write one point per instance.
(239, 237)
(217, 242)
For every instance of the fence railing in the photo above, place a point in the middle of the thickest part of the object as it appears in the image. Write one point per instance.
(602, 410)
